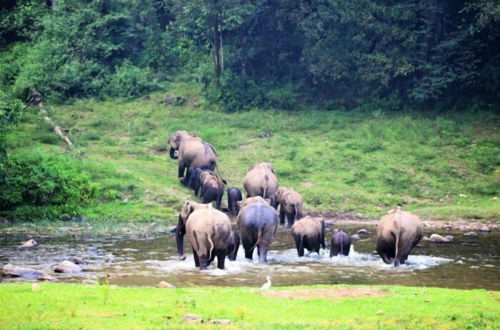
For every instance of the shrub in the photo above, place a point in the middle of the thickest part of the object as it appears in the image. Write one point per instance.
(130, 80)
(54, 185)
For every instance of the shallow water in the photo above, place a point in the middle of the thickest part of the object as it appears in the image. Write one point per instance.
(465, 263)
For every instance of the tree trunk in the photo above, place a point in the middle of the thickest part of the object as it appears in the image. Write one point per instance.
(217, 51)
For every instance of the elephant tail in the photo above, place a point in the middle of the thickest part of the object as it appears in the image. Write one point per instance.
(266, 179)
(259, 235)
(211, 246)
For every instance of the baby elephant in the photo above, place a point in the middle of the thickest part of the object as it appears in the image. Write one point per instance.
(341, 243)
(233, 197)
(211, 188)
(291, 205)
(309, 233)
(233, 244)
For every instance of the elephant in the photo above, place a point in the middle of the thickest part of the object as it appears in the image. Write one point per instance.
(194, 180)
(261, 180)
(211, 188)
(233, 244)
(208, 231)
(192, 152)
(341, 243)
(257, 222)
(291, 205)
(398, 232)
(309, 233)
(233, 197)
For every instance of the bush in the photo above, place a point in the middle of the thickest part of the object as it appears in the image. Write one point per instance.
(130, 80)
(56, 186)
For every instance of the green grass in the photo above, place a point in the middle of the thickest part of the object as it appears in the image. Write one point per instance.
(73, 306)
(443, 166)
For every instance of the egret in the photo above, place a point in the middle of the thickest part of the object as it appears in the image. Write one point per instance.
(266, 285)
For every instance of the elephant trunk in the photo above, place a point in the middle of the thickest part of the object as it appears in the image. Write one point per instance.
(173, 154)
(180, 231)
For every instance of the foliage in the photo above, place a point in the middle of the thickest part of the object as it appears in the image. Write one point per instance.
(40, 186)
(121, 307)
(440, 165)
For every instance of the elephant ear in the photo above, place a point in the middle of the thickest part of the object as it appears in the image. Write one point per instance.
(186, 211)
(251, 167)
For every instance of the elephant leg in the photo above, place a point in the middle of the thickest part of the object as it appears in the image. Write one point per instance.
(334, 251)
(385, 258)
(221, 258)
(298, 245)
(181, 169)
(291, 219)
(196, 260)
(204, 262)
(219, 200)
(262, 251)
(282, 217)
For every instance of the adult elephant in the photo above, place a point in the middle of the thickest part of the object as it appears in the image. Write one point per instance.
(309, 233)
(192, 152)
(208, 231)
(397, 234)
(291, 205)
(257, 222)
(261, 180)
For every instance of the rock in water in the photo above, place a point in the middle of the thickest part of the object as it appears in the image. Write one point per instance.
(355, 236)
(48, 278)
(470, 234)
(28, 244)
(485, 229)
(450, 238)
(67, 267)
(77, 261)
(166, 285)
(15, 271)
(362, 232)
(435, 238)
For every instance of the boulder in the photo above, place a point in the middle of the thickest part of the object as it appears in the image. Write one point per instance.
(77, 260)
(28, 244)
(470, 234)
(435, 238)
(355, 236)
(425, 238)
(362, 232)
(485, 229)
(15, 271)
(447, 227)
(166, 285)
(450, 238)
(67, 267)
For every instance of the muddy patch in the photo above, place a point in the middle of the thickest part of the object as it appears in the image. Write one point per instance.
(327, 293)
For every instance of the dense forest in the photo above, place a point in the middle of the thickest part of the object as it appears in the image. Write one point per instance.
(388, 55)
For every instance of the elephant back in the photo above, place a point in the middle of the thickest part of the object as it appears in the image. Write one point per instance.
(257, 214)
(307, 226)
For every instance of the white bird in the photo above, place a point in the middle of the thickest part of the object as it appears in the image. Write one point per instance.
(266, 285)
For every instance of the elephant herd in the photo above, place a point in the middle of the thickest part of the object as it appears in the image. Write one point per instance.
(209, 230)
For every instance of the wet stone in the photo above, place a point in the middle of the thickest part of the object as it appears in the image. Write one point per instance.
(10, 270)
(67, 267)
(28, 244)
(485, 229)
(355, 236)
(435, 238)
(362, 232)
(77, 260)
(470, 234)
(450, 238)
(47, 278)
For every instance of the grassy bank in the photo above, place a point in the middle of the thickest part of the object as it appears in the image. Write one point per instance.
(71, 306)
(441, 166)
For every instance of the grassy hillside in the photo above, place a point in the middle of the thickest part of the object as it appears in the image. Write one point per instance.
(51, 305)
(440, 165)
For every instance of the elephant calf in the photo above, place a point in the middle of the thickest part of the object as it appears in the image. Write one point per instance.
(398, 232)
(341, 243)
(208, 232)
(291, 205)
(233, 244)
(211, 188)
(233, 197)
(309, 233)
